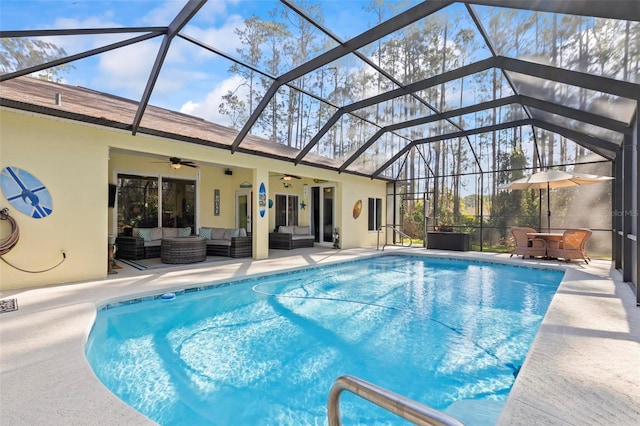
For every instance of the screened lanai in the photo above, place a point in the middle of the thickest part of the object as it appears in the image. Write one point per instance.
(445, 100)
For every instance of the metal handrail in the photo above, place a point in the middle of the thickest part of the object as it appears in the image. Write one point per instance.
(393, 228)
(404, 407)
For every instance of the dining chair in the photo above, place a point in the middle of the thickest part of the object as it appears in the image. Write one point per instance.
(525, 245)
(572, 246)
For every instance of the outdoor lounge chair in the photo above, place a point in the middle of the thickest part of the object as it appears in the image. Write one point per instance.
(572, 246)
(527, 246)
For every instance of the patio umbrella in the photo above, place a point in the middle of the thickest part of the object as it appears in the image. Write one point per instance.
(550, 179)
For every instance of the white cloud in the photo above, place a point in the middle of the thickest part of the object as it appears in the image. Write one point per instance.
(80, 43)
(223, 38)
(207, 108)
(162, 16)
(127, 67)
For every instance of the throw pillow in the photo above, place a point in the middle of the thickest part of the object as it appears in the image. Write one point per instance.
(156, 233)
(205, 232)
(235, 233)
(243, 232)
(184, 232)
(145, 234)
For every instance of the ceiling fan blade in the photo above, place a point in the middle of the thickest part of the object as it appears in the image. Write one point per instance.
(188, 164)
(289, 177)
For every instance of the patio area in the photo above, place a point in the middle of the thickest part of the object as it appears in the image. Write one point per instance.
(581, 369)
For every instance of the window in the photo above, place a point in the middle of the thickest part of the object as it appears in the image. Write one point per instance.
(286, 210)
(375, 214)
(137, 202)
(140, 199)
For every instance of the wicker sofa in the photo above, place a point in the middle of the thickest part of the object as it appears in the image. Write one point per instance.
(291, 237)
(145, 243)
(227, 242)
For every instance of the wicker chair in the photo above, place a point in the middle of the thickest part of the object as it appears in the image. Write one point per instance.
(572, 246)
(527, 246)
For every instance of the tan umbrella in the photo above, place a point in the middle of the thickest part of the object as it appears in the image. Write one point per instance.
(550, 179)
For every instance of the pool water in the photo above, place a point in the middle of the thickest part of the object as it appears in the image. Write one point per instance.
(266, 351)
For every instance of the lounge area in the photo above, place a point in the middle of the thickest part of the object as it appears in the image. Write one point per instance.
(146, 243)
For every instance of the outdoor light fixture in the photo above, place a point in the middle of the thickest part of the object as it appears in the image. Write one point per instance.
(286, 177)
(175, 165)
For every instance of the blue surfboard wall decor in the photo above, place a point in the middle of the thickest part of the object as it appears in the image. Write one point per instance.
(25, 192)
(262, 200)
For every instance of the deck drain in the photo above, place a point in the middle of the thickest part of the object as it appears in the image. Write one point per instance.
(8, 305)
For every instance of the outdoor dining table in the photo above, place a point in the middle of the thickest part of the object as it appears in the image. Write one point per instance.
(547, 236)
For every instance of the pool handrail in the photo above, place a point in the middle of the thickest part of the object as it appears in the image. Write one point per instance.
(394, 229)
(404, 407)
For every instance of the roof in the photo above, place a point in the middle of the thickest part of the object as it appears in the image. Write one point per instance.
(414, 78)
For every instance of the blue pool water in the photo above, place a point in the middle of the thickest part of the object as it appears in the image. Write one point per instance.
(266, 351)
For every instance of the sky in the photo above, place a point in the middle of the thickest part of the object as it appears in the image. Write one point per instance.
(192, 80)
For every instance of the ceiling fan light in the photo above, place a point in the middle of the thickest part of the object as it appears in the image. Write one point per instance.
(286, 177)
(175, 165)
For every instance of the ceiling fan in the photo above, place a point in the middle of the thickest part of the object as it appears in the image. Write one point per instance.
(176, 163)
(289, 177)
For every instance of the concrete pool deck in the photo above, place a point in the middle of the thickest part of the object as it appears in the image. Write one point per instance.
(583, 367)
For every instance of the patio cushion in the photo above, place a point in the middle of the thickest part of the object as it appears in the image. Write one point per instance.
(184, 232)
(219, 242)
(302, 237)
(285, 229)
(144, 233)
(302, 230)
(155, 233)
(169, 233)
(217, 234)
(205, 232)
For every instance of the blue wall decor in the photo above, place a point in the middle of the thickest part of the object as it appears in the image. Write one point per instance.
(262, 199)
(26, 193)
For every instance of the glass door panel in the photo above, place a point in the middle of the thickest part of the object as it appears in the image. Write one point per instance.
(137, 202)
(322, 213)
(327, 214)
(179, 203)
(243, 210)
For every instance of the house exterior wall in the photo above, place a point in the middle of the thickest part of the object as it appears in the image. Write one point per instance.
(72, 162)
(76, 161)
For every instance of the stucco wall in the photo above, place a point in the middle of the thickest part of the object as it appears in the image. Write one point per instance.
(71, 161)
(77, 161)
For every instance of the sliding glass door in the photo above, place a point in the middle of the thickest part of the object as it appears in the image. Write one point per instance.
(286, 210)
(323, 213)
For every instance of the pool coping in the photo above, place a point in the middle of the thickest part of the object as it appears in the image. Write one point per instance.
(581, 369)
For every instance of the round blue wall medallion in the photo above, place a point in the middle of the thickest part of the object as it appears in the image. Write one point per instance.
(25, 192)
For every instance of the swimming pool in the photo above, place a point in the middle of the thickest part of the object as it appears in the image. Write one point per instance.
(266, 350)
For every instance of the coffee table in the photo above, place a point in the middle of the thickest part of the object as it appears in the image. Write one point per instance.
(183, 249)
